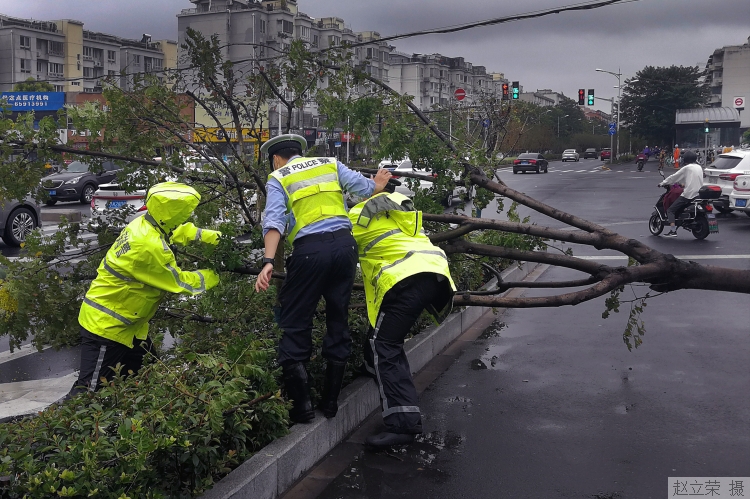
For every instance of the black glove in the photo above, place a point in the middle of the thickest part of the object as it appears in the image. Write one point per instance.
(390, 187)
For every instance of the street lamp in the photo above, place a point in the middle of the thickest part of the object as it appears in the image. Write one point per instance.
(619, 84)
(558, 124)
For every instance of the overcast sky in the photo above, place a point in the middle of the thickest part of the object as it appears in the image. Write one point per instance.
(559, 52)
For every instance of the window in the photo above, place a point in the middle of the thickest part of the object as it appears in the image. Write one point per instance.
(87, 90)
(111, 72)
(24, 42)
(136, 60)
(88, 53)
(303, 32)
(54, 68)
(315, 40)
(111, 56)
(287, 27)
(41, 44)
(334, 40)
(76, 83)
(158, 63)
(262, 25)
(58, 88)
(88, 72)
(370, 52)
(56, 48)
(26, 65)
(41, 66)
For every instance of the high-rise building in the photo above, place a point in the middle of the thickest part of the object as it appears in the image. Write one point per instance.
(728, 77)
(74, 59)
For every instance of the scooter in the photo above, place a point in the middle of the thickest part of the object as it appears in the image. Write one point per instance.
(698, 217)
(640, 160)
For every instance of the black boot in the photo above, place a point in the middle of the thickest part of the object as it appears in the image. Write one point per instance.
(298, 390)
(329, 404)
(386, 439)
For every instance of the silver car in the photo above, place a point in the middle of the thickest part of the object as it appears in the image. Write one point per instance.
(570, 155)
(18, 219)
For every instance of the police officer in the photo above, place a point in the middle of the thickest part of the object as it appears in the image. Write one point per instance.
(404, 274)
(305, 198)
(136, 273)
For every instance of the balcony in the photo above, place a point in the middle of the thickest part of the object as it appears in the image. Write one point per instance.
(714, 99)
(717, 81)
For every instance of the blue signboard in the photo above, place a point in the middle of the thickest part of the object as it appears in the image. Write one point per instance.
(34, 101)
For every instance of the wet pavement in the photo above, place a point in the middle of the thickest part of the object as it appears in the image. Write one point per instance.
(550, 403)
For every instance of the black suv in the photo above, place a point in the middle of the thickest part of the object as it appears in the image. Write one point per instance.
(590, 153)
(78, 181)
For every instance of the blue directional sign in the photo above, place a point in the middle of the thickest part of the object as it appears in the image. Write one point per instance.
(34, 101)
(613, 126)
(612, 131)
(486, 123)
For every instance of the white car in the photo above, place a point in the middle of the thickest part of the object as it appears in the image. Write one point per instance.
(114, 205)
(458, 191)
(392, 165)
(570, 155)
(723, 172)
(739, 199)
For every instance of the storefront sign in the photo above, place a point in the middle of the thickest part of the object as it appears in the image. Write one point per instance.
(34, 101)
(214, 134)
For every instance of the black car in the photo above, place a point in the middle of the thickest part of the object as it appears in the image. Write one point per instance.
(78, 181)
(590, 153)
(531, 162)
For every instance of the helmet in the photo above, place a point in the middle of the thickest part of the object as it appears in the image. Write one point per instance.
(676, 145)
(283, 142)
(690, 157)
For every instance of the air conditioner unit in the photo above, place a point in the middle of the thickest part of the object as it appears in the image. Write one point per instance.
(98, 64)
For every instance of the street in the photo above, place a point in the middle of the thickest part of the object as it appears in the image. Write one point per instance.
(550, 403)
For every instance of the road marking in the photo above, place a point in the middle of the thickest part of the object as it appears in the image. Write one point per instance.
(681, 257)
(23, 351)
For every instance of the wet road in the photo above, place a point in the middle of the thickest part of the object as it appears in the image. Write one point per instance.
(549, 403)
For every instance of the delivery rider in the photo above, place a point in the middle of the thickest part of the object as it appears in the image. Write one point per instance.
(134, 276)
(404, 274)
(305, 198)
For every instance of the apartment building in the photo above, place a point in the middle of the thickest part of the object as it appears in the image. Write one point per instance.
(728, 77)
(73, 59)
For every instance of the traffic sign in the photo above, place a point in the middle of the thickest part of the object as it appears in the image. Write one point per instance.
(459, 94)
(486, 122)
(612, 131)
(739, 103)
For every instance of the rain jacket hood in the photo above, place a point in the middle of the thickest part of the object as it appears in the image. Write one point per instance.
(170, 204)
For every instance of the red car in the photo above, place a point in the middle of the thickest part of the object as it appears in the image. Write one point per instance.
(606, 153)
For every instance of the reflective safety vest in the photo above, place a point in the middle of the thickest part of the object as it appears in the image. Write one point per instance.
(393, 246)
(140, 269)
(313, 190)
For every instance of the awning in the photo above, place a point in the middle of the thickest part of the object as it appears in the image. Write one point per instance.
(717, 117)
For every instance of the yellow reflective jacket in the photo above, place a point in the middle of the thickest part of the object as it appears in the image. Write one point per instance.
(392, 247)
(313, 190)
(140, 268)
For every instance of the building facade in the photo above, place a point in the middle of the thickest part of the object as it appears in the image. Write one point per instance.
(75, 60)
(728, 77)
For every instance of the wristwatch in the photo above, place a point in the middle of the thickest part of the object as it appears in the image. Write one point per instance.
(268, 260)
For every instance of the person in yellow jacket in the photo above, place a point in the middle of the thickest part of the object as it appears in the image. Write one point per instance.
(403, 274)
(132, 279)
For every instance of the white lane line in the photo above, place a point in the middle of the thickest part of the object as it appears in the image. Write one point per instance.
(681, 257)
(27, 397)
(23, 351)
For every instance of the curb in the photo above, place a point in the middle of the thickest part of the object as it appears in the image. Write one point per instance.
(57, 216)
(276, 467)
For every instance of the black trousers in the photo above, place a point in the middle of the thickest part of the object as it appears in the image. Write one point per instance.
(99, 356)
(384, 354)
(321, 265)
(676, 208)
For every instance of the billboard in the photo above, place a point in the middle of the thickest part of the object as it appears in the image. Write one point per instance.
(34, 101)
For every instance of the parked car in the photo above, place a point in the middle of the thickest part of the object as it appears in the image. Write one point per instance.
(18, 219)
(111, 198)
(458, 191)
(530, 161)
(570, 155)
(78, 181)
(605, 154)
(590, 153)
(739, 198)
(723, 172)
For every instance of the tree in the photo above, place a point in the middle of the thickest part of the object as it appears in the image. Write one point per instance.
(651, 99)
(32, 85)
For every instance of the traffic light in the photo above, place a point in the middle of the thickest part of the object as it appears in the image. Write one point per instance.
(581, 96)
(506, 92)
(705, 130)
(591, 97)
(516, 90)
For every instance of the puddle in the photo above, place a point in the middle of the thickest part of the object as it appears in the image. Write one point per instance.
(477, 365)
(493, 331)
(492, 356)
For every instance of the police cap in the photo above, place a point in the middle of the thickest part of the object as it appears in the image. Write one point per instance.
(283, 142)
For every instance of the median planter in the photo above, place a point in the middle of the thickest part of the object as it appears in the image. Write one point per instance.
(276, 467)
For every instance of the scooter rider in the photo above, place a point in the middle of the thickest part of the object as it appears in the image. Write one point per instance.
(305, 195)
(134, 276)
(403, 274)
(690, 177)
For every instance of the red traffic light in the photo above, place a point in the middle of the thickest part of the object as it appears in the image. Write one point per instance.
(581, 96)
(506, 91)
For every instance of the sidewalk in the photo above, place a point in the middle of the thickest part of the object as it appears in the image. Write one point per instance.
(549, 403)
